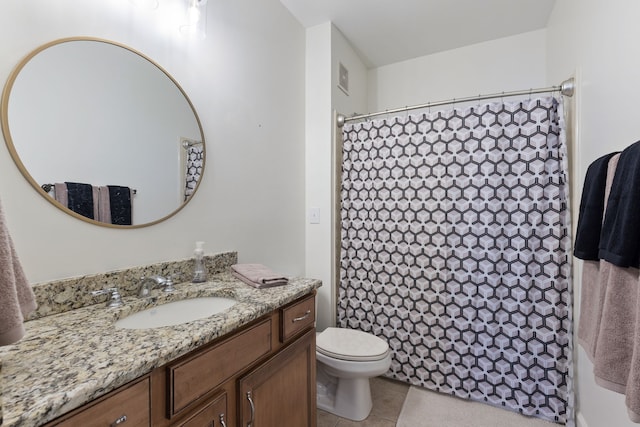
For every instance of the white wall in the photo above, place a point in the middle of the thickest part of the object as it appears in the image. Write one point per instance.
(246, 80)
(598, 40)
(318, 165)
(502, 65)
(355, 100)
(326, 48)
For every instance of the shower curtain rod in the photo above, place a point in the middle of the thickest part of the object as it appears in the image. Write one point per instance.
(566, 88)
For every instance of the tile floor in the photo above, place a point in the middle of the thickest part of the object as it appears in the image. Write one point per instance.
(388, 397)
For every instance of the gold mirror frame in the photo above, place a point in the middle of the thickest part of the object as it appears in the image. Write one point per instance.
(4, 123)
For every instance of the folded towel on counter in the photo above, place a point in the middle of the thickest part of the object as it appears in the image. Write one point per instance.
(16, 296)
(592, 210)
(620, 236)
(80, 198)
(120, 202)
(258, 275)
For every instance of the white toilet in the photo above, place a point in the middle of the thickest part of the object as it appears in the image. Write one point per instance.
(346, 360)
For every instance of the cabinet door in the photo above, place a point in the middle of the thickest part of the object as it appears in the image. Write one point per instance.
(214, 414)
(282, 391)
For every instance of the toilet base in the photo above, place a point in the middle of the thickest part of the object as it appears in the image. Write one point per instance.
(345, 397)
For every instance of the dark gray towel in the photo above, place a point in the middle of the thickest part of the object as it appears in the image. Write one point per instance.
(620, 236)
(120, 201)
(80, 198)
(591, 210)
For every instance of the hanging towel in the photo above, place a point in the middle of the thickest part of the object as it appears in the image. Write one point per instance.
(103, 211)
(593, 288)
(620, 236)
(16, 296)
(632, 391)
(591, 298)
(95, 196)
(80, 198)
(616, 332)
(609, 326)
(257, 275)
(120, 201)
(592, 210)
(60, 193)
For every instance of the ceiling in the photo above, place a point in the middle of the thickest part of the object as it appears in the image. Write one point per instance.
(388, 31)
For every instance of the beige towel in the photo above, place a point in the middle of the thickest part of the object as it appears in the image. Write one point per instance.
(591, 298)
(258, 275)
(607, 319)
(61, 194)
(609, 328)
(594, 287)
(616, 334)
(632, 390)
(16, 296)
(103, 209)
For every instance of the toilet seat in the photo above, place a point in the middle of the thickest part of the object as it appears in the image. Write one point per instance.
(351, 345)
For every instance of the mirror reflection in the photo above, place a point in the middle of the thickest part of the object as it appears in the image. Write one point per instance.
(103, 133)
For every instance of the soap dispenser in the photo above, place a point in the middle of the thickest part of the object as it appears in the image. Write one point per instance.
(199, 271)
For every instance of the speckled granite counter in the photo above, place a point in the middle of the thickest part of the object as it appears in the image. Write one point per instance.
(68, 359)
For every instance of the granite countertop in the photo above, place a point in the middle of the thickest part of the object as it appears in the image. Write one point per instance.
(68, 359)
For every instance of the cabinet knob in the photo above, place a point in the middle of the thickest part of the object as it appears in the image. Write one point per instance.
(122, 419)
(301, 318)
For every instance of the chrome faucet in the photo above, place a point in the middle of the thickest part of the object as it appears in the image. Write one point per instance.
(114, 301)
(156, 280)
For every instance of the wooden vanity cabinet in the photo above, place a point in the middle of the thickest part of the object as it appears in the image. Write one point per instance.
(271, 360)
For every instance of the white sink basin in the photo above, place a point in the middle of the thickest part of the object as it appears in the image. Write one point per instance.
(175, 313)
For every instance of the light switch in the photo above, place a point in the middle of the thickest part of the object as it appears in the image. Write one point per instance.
(314, 216)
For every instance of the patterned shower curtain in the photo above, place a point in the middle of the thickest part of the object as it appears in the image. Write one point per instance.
(195, 162)
(455, 248)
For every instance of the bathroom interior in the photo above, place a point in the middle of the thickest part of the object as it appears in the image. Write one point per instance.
(267, 82)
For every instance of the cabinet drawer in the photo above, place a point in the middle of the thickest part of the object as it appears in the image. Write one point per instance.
(192, 378)
(128, 407)
(213, 414)
(297, 317)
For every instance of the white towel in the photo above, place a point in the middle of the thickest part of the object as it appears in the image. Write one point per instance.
(16, 296)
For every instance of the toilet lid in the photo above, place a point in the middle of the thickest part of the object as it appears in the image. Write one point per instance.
(349, 344)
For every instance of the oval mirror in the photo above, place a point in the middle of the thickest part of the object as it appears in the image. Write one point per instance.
(103, 132)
